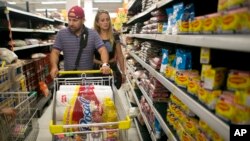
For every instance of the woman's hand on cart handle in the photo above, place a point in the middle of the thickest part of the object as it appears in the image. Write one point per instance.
(54, 72)
(8, 111)
(105, 68)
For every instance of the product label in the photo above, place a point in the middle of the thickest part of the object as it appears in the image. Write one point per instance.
(87, 118)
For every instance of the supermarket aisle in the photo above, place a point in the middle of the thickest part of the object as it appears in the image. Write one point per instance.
(44, 134)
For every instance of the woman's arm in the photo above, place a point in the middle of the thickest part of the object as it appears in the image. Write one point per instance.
(120, 58)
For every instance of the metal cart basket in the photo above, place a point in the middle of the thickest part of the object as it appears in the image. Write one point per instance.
(61, 131)
(24, 126)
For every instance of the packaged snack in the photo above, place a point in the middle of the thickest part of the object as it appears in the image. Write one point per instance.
(186, 137)
(181, 78)
(225, 106)
(193, 84)
(177, 13)
(212, 98)
(238, 80)
(170, 23)
(186, 17)
(211, 23)
(183, 59)
(202, 95)
(201, 137)
(223, 5)
(203, 126)
(235, 21)
(241, 114)
(214, 78)
(242, 97)
(164, 61)
(215, 136)
(204, 68)
(171, 118)
(180, 115)
(237, 3)
(197, 25)
(191, 126)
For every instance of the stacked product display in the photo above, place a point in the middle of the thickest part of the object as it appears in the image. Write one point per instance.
(208, 91)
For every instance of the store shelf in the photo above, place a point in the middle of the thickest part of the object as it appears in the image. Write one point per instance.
(25, 47)
(135, 121)
(210, 118)
(153, 7)
(165, 128)
(138, 130)
(28, 14)
(61, 21)
(131, 4)
(143, 115)
(31, 30)
(163, 3)
(46, 44)
(144, 36)
(136, 17)
(32, 46)
(225, 42)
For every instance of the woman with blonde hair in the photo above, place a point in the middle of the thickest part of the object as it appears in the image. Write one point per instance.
(103, 26)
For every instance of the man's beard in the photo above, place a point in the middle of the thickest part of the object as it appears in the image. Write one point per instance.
(74, 30)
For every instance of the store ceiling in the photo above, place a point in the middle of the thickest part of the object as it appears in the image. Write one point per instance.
(36, 4)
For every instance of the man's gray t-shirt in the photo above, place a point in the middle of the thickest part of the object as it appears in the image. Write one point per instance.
(69, 43)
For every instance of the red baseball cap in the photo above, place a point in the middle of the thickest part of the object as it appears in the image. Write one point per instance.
(76, 12)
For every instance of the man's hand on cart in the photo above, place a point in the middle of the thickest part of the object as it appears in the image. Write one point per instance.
(8, 111)
(54, 72)
(105, 68)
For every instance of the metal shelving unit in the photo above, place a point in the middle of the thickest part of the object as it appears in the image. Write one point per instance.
(131, 4)
(165, 128)
(210, 118)
(28, 14)
(135, 121)
(136, 17)
(225, 42)
(150, 130)
(146, 12)
(31, 30)
(32, 46)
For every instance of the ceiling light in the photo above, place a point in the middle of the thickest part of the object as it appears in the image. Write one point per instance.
(43, 9)
(11, 2)
(53, 2)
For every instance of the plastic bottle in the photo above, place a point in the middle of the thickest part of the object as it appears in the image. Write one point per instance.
(110, 115)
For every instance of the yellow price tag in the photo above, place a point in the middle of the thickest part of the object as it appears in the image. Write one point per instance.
(205, 56)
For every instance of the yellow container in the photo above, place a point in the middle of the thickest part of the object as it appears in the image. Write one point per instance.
(197, 24)
(235, 21)
(223, 5)
(214, 78)
(225, 106)
(211, 23)
(238, 80)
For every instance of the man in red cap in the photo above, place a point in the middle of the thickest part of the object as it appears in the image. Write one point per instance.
(78, 44)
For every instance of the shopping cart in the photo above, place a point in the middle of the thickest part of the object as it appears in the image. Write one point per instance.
(88, 131)
(24, 126)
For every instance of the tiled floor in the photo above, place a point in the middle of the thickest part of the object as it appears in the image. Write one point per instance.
(45, 135)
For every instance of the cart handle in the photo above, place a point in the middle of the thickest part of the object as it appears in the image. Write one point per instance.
(82, 72)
